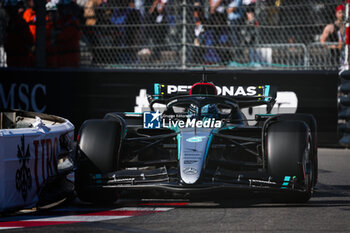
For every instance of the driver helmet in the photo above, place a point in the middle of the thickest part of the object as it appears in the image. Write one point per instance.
(192, 110)
(210, 111)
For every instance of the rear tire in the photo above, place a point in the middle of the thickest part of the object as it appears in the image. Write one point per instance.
(288, 155)
(97, 153)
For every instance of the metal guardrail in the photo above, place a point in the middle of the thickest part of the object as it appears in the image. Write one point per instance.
(323, 56)
(265, 56)
(315, 56)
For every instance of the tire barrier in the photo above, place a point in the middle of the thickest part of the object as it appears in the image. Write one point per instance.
(344, 113)
(344, 127)
(344, 109)
(345, 87)
(344, 100)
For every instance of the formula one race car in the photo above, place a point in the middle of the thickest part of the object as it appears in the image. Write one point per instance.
(198, 142)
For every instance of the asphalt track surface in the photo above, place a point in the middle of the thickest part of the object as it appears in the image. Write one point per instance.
(327, 211)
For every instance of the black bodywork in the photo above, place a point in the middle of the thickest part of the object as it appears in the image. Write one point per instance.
(236, 154)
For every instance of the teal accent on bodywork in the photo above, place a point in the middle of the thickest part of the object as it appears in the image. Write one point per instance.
(98, 178)
(195, 139)
(214, 131)
(178, 137)
(156, 90)
(133, 113)
(174, 128)
(286, 181)
(267, 92)
(208, 146)
(265, 114)
(227, 127)
(217, 130)
(125, 132)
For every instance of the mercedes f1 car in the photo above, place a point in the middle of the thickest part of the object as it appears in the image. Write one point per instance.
(198, 142)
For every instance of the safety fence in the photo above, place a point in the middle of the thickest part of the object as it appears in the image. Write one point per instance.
(315, 56)
(186, 34)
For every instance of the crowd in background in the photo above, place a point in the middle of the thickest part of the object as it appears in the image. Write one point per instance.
(122, 31)
(211, 23)
(230, 25)
(19, 37)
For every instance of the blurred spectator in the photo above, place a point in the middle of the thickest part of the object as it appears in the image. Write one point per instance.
(218, 32)
(248, 33)
(217, 9)
(172, 7)
(19, 42)
(30, 17)
(89, 11)
(294, 53)
(199, 33)
(63, 38)
(77, 10)
(3, 24)
(128, 35)
(139, 5)
(158, 26)
(99, 34)
(51, 33)
(234, 15)
(132, 30)
(333, 33)
(217, 18)
(91, 32)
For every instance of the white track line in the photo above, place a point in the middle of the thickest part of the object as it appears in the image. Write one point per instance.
(82, 209)
(80, 215)
(77, 218)
(9, 228)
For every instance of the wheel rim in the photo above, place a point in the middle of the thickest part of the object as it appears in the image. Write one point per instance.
(308, 167)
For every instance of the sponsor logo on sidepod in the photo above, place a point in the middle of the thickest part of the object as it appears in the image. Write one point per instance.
(195, 139)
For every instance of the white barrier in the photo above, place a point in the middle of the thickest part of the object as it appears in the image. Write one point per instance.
(28, 157)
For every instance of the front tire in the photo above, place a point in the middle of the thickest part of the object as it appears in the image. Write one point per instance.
(311, 122)
(98, 150)
(289, 157)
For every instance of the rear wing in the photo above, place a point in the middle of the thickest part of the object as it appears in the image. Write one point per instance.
(166, 91)
(245, 96)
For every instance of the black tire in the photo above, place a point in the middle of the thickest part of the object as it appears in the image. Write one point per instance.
(98, 148)
(288, 153)
(118, 117)
(311, 122)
